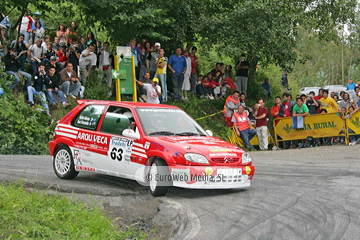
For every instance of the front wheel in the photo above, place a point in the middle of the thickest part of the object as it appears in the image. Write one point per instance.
(63, 163)
(159, 178)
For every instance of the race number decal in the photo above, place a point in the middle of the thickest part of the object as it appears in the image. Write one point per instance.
(120, 149)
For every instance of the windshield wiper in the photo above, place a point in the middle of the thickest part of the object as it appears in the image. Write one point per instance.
(162, 133)
(189, 134)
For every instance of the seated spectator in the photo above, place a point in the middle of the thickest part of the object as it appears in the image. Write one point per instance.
(69, 82)
(50, 52)
(40, 77)
(13, 66)
(200, 90)
(46, 41)
(36, 53)
(21, 48)
(228, 72)
(5, 23)
(38, 32)
(242, 126)
(209, 91)
(266, 86)
(4, 42)
(52, 63)
(62, 57)
(52, 87)
(231, 104)
(56, 44)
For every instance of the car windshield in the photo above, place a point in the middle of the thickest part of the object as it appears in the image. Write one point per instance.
(168, 122)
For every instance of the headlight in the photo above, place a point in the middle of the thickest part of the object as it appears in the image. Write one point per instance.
(246, 158)
(196, 158)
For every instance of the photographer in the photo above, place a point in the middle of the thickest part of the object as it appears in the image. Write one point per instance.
(40, 77)
(73, 54)
(312, 104)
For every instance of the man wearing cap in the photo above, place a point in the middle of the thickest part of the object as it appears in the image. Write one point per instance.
(177, 65)
(150, 62)
(13, 66)
(153, 90)
(52, 63)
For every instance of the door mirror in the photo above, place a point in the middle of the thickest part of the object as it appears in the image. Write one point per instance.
(209, 132)
(131, 134)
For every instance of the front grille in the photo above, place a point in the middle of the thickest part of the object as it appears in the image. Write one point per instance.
(225, 160)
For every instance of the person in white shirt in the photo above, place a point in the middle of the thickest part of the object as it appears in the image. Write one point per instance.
(105, 63)
(87, 62)
(153, 90)
(186, 84)
(36, 53)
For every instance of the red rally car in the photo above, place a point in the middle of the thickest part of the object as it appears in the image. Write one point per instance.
(158, 145)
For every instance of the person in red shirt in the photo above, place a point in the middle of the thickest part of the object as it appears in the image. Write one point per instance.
(320, 95)
(275, 110)
(194, 64)
(261, 117)
(62, 57)
(242, 126)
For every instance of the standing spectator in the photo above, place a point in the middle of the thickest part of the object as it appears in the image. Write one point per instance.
(358, 83)
(69, 82)
(106, 63)
(153, 90)
(177, 65)
(73, 53)
(38, 32)
(275, 110)
(352, 138)
(328, 103)
(194, 64)
(61, 34)
(345, 102)
(286, 109)
(261, 117)
(241, 78)
(266, 86)
(136, 56)
(87, 61)
(217, 72)
(25, 26)
(242, 126)
(186, 84)
(5, 23)
(82, 44)
(320, 95)
(350, 85)
(161, 64)
(231, 104)
(300, 109)
(40, 77)
(151, 59)
(49, 52)
(21, 48)
(56, 44)
(52, 86)
(37, 18)
(62, 57)
(13, 66)
(356, 99)
(71, 32)
(4, 42)
(284, 80)
(312, 104)
(229, 72)
(145, 50)
(36, 53)
(46, 42)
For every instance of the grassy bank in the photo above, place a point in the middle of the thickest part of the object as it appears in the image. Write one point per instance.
(37, 215)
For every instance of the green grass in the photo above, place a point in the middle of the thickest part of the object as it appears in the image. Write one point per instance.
(37, 215)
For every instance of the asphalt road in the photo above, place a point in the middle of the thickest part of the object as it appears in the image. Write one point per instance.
(296, 194)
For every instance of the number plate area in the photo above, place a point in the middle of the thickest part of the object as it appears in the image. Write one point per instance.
(227, 172)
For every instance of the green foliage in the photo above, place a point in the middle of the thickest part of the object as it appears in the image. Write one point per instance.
(23, 130)
(96, 87)
(38, 215)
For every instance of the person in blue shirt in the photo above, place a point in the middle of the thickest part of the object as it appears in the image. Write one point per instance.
(37, 18)
(266, 86)
(350, 85)
(177, 65)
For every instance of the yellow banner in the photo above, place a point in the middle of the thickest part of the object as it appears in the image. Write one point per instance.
(354, 122)
(317, 126)
(236, 140)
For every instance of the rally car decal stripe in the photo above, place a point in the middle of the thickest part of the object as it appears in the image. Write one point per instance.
(66, 134)
(139, 154)
(67, 130)
(138, 144)
(67, 126)
(139, 149)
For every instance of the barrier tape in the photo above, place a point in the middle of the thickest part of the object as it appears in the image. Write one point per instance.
(209, 115)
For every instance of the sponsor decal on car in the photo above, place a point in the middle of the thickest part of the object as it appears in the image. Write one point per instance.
(92, 138)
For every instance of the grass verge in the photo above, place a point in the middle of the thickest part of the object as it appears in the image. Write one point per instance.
(37, 215)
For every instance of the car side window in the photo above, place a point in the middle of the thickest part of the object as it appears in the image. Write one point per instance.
(116, 120)
(89, 117)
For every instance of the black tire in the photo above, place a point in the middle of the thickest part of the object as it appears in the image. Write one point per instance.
(159, 181)
(63, 163)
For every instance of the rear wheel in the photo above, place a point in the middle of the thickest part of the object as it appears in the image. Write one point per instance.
(63, 163)
(159, 178)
